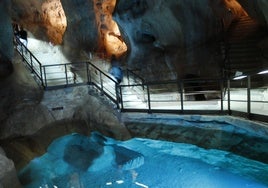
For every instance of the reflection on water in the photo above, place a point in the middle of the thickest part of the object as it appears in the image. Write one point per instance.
(77, 161)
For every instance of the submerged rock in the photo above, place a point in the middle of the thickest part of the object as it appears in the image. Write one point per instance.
(8, 174)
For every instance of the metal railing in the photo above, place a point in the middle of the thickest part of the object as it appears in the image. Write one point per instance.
(32, 62)
(207, 96)
(134, 78)
(176, 96)
(234, 97)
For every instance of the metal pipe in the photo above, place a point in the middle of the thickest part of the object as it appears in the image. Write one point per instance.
(45, 76)
(101, 82)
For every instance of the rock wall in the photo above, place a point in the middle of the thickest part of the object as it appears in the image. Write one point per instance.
(179, 40)
(165, 39)
(82, 32)
(30, 118)
(8, 174)
(242, 137)
(76, 112)
(171, 39)
(45, 19)
(6, 40)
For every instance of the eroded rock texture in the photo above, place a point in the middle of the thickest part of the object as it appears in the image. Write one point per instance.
(165, 39)
(8, 174)
(6, 45)
(170, 39)
(45, 19)
(81, 33)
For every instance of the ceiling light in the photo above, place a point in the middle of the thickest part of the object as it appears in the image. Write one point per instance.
(239, 77)
(263, 72)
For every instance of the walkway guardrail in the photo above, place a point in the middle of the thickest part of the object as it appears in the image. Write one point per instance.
(180, 95)
(32, 62)
(244, 97)
(134, 78)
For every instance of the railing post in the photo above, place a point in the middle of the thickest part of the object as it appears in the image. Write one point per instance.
(149, 99)
(121, 98)
(88, 73)
(41, 75)
(66, 76)
(22, 52)
(31, 62)
(181, 97)
(118, 95)
(249, 97)
(229, 98)
(128, 77)
(45, 75)
(101, 82)
(222, 88)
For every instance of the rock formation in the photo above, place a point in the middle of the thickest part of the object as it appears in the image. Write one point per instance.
(6, 41)
(181, 39)
(164, 40)
(8, 174)
(81, 32)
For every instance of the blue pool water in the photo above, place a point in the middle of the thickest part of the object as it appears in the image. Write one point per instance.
(95, 161)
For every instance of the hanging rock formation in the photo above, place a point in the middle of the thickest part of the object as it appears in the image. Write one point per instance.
(165, 39)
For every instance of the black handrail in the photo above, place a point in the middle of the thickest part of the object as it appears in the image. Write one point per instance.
(131, 73)
(91, 64)
(181, 90)
(23, 49)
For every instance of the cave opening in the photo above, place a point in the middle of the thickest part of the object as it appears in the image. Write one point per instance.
(110, 39)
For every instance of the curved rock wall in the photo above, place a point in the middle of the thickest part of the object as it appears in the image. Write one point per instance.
(8, 174)
(6, 45)
(82, 32)
(242, 137)
(45, 19)
(165, 39)
(170, 39)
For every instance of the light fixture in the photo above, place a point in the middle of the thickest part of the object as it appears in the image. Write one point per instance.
(263, 72)
(239, 77)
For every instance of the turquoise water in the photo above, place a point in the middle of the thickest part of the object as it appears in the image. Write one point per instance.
(96, 161)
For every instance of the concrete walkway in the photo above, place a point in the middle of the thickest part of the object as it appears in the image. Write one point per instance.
(48, 54)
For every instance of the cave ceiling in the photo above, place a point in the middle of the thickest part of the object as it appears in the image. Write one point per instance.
(167, 39)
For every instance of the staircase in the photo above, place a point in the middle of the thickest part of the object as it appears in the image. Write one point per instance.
(243, 52)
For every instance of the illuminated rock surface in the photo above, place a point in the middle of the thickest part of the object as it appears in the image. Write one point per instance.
(175, 43)
(182, 38)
